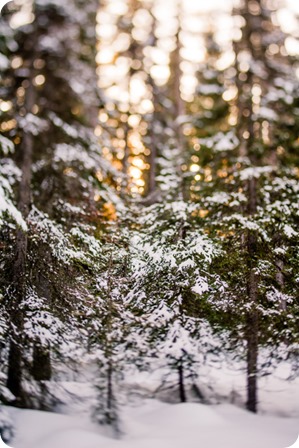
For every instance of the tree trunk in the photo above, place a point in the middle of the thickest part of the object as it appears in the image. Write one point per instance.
(181, 383)
(14, 374)
(252, 345)
(252, 317)
(252, 358)
(111, 414)
(153, 146)
(109, 388)
(125, 163)
(179, 103)
(41, 366)
(152, 184)
(247, 149)
(179, 110)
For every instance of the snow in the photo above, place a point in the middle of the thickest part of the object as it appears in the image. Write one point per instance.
(289, 231)
(149, 423)
(226, 142)
(251, 172)
(39, 322)
(6, 145)
(182, 119)
(6, 426)
(68, 154)
(201, 286)
(33, 124)
(210, 89)
(267, 114)
(218, 198)
(160, 425)
(71, 131)
(4, 62)
(7, 206)
(221, 141)
(49, 43)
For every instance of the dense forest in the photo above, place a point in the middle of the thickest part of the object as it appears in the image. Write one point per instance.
(148, 199)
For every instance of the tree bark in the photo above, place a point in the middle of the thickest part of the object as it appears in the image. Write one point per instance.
(15, 357)
(252, 344)
(247, 149)
(252, 316)
(182, 391)
(252, 358)
(109, 387)
(179, 109)
(41, 366)
(153, 145)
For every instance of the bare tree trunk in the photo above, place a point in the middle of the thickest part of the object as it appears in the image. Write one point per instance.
(125, 163)
(111, 405)
(252, 317)
(151, 187)
(14, 372)
(252, 359)
(153, 144)
(182, 383)
(246, 123)
(41, 366)
(153, 164)
(179, 107)
(110, 398)
(252, 340)
(179, 103)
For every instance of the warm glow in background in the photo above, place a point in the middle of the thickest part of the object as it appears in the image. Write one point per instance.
(124, 81)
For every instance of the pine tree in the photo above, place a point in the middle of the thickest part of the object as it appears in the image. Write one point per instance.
(239, 212)
(168, 285)
(59, 160)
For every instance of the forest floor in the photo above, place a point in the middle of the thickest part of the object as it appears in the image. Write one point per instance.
(150, 423)
(159, 425)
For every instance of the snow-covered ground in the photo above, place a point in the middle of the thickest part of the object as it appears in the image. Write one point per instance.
(159, 425)
(150, 423)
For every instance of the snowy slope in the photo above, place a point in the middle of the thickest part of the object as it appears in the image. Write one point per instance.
(159, 425)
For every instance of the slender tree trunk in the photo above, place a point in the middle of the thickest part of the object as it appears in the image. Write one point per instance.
(252, 345)
(151, 187)
(109, 388)
(246, 123)
(111, 407)
(14, 373)
(153, 164)
(153, 145)
(179, 103)
(109, 349)
(182, 390)
(252, 359)
(252, 317)
(179, 108)
(125, 163)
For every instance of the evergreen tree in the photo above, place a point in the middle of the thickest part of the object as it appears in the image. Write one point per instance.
(240, 209)
(59, 162)
(168, 285)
